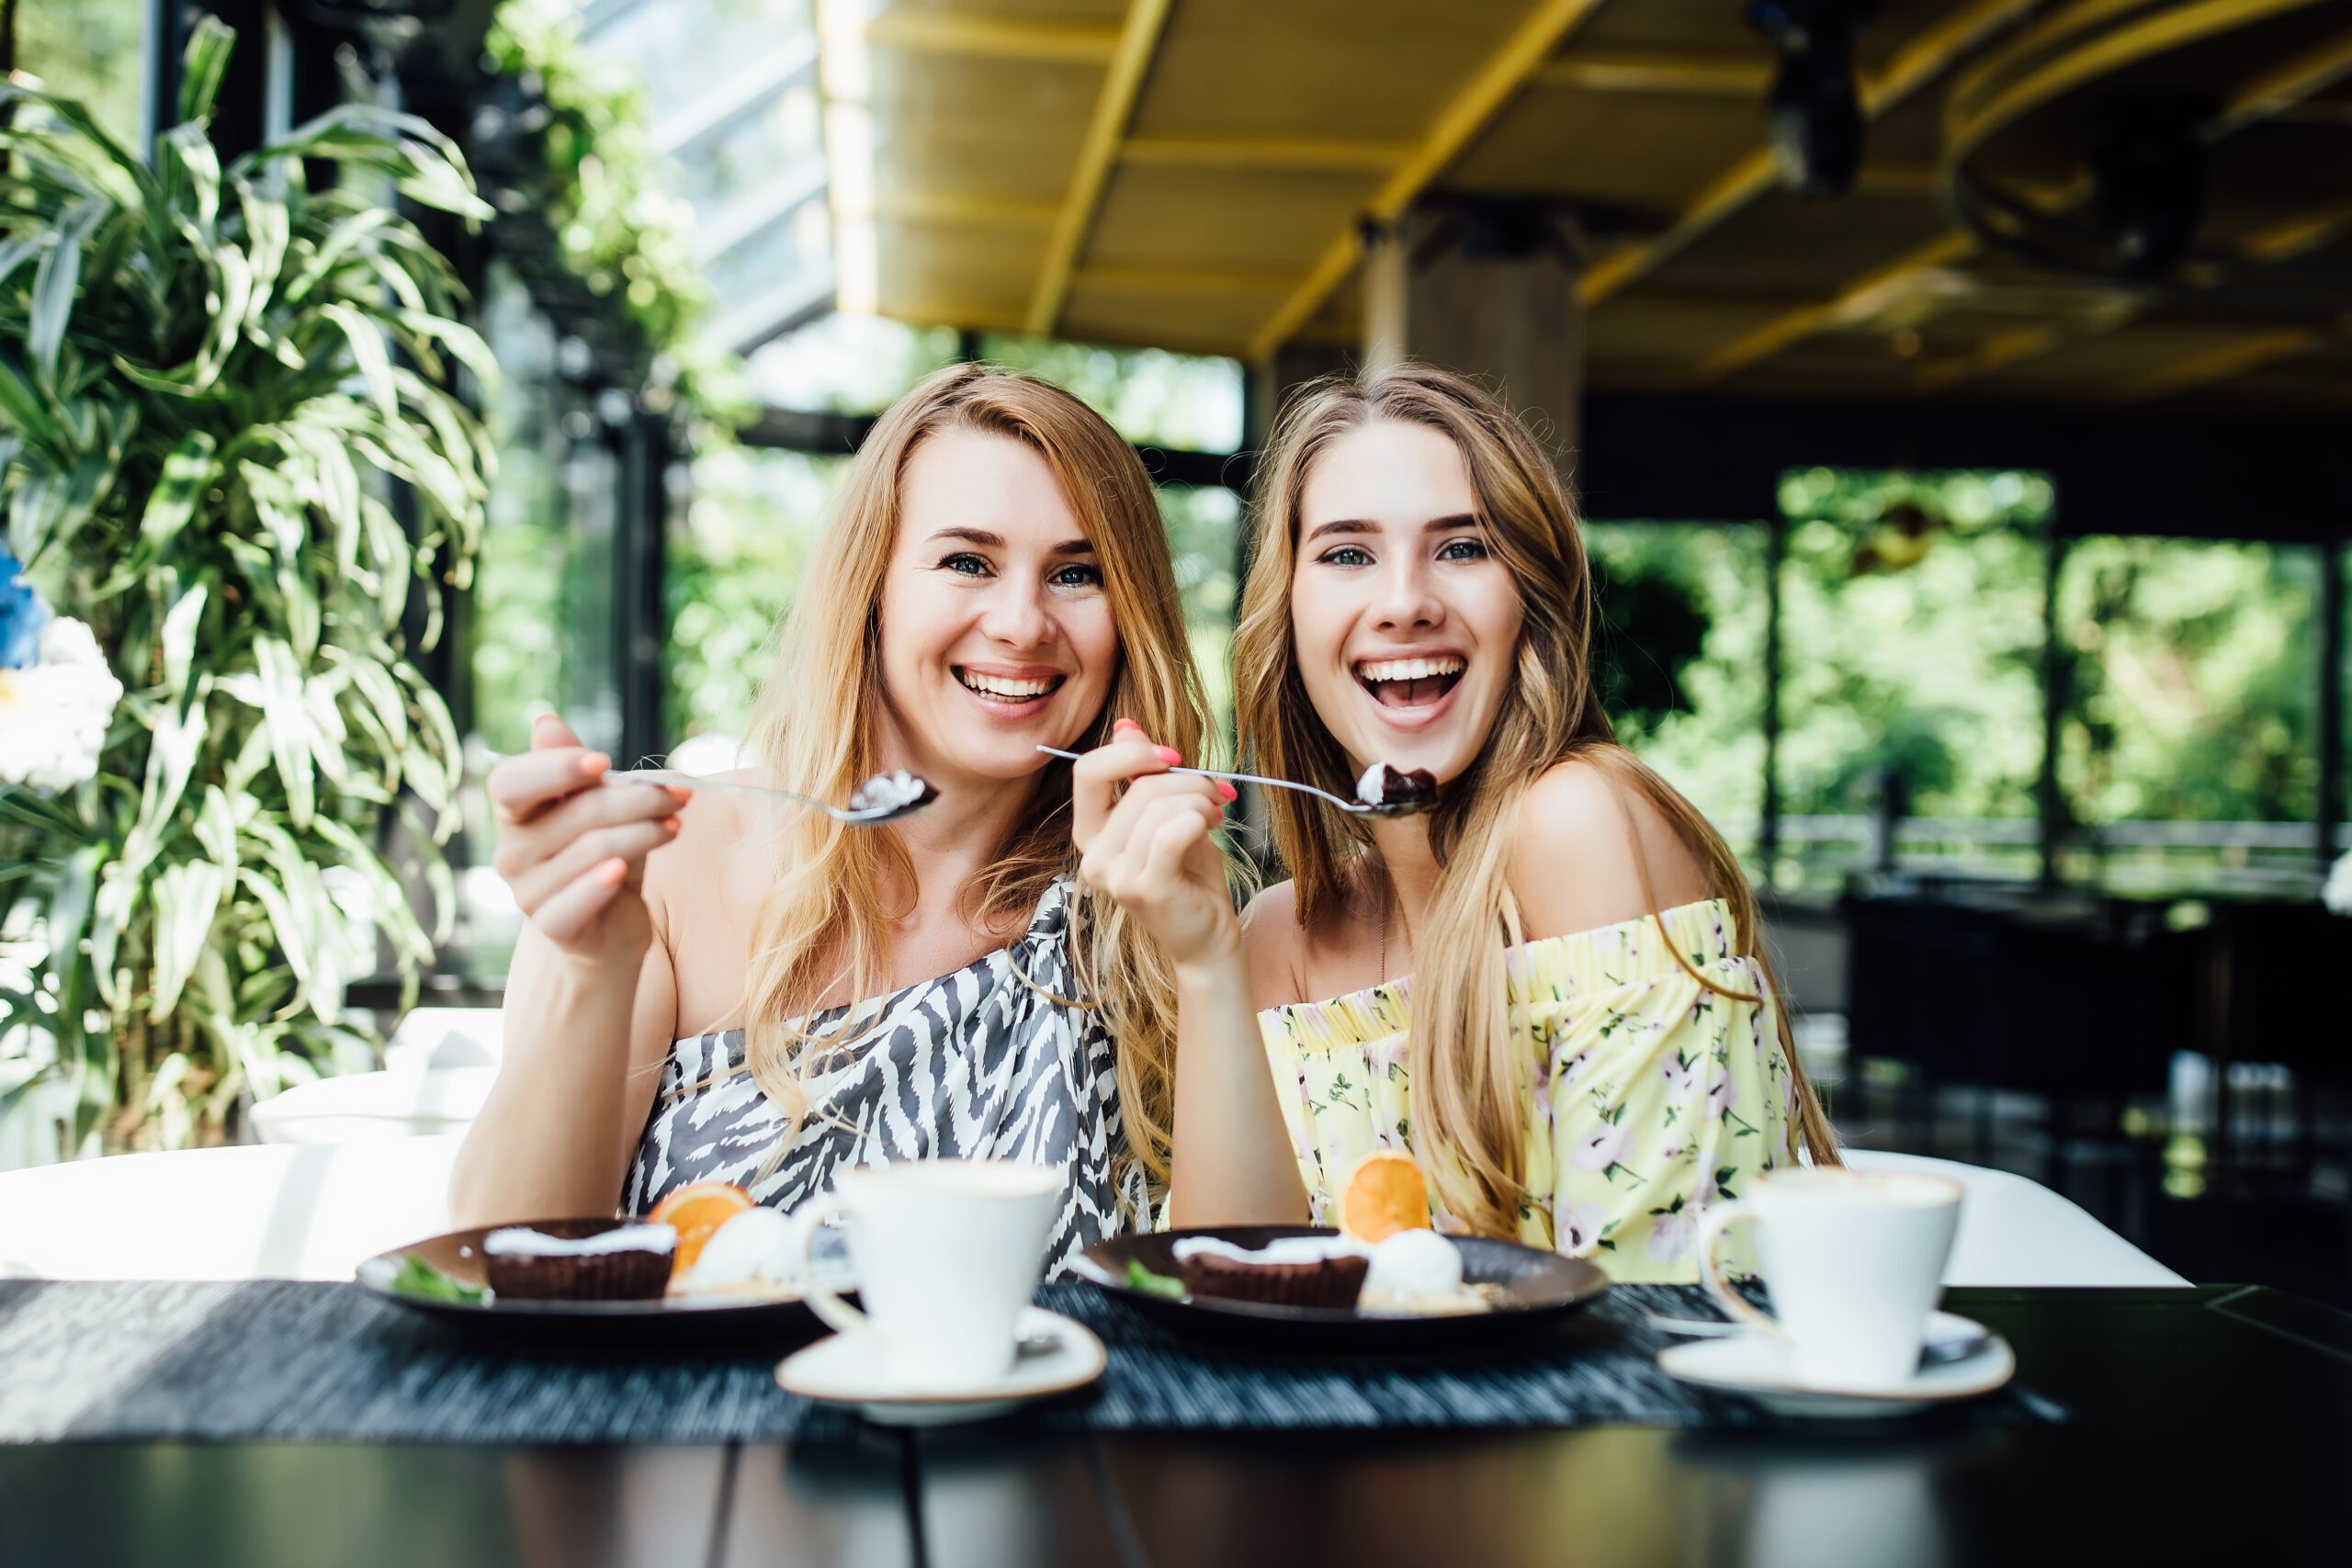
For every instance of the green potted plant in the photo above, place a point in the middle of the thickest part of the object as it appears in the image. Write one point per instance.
(230, 446)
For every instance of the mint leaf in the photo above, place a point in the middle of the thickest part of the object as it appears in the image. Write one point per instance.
(1142, 1278)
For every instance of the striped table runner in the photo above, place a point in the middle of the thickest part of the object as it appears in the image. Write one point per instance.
(284, 1360)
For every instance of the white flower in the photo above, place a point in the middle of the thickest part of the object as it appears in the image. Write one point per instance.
(1718, 1094)
(1580, 1228)
(1601, 1147)
(1682, 1077)
(53, 714)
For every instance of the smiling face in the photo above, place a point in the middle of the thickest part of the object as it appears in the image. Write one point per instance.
(1404, 625)
(996, 633)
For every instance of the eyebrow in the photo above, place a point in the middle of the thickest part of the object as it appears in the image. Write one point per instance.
(1345, 525)
(987, 541)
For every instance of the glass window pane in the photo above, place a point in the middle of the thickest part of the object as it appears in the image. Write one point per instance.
(1679, 659)
(89, 50)
(1191, 403)
(733, 569)
(1912, 637)
(1204, 528)
(2193, 701)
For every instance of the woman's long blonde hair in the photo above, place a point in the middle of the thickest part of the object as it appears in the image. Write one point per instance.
(825, 925)
(1469, 1083)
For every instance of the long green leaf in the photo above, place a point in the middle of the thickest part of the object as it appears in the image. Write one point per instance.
(187, 473)
(206, 61)
(55, 284)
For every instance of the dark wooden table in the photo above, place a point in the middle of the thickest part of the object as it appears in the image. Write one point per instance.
(2211, 1426)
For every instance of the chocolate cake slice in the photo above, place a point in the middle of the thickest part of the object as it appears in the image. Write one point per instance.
(628, 1263)
(1325, 1272)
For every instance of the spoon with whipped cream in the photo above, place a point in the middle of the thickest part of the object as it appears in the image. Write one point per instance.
(884, 798)
(1383, 790)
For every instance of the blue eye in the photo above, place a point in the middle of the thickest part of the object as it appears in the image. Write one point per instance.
(965, 565)
(1076, 576)
(1462, 549)
(1346, 555)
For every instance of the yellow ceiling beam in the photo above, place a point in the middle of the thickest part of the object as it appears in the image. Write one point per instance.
(1464, 117)
(953, 207)
(2276, 91)
(1114, 108)
(935, 32)
(1665, 75)
(2231, 359)
(1859, 301)
(1183, 280)
(1919, 63)
(2298, 236)
(2024, 343)
(1307, 153)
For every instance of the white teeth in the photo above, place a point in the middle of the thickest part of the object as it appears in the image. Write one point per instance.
(1411, 669)
(1001, 686)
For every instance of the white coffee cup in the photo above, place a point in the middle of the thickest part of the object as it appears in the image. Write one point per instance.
(948, 1253)
(1855, 1262)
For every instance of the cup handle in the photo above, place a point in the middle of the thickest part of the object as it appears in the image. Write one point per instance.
(836, 1312)
(1718, 1219)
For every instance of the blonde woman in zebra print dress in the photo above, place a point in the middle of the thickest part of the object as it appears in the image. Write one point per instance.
(720, 986)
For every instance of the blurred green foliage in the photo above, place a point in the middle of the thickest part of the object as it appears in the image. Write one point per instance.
(2193, 669)
(210, 378)
(1912, 627)
(89, 50)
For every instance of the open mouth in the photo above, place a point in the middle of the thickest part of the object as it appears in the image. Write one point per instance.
(1011, 690)
(1409, 682)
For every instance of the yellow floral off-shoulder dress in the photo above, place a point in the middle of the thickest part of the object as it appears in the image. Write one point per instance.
(1651, 1096)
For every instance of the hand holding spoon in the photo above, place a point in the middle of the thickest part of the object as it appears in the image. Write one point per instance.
(1383, 790)
(884, 798)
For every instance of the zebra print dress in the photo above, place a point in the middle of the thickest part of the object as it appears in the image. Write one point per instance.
(976, 1064)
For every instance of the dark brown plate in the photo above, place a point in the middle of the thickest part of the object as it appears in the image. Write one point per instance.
(658, 1325)
(1539, 1288)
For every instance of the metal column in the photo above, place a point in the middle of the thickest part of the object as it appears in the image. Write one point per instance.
(2329, 814)
(639, 581)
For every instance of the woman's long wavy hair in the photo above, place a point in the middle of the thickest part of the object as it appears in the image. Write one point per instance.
(1469, 1082)
(824, 927)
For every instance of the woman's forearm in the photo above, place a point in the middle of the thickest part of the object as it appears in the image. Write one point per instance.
(546, 1144)
(1232, 1161)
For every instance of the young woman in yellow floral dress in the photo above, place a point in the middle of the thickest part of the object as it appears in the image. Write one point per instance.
(1551, 989)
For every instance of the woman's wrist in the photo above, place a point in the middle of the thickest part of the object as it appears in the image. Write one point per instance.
(1213, 971)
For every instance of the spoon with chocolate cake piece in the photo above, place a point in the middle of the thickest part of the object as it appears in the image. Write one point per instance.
(884, 798)
(1383, 790)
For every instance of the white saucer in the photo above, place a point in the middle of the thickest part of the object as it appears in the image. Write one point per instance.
(847, 1370)
(1758, 1366)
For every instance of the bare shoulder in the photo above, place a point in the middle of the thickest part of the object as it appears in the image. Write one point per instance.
(716, 857)
(708, 823)
(1273, 945)
(1584, 839)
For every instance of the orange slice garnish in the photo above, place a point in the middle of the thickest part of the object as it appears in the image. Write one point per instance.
(698, 1211)
(1384, 1194)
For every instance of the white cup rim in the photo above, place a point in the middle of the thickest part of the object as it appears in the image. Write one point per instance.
(951, 1178)
(1860, 1188)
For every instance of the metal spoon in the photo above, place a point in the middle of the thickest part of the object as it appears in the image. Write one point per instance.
(884, 798)
(1424, 797)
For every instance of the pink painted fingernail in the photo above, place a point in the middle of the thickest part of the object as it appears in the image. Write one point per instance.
(1227, 790)
(595, 762)
(1170, 755)
(1125, 723)
(672, 824)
